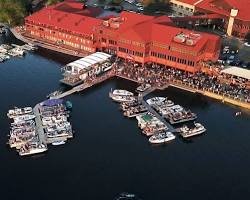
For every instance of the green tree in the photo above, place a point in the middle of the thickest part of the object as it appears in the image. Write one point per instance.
(49, 2)
(247, 38)
(12, 12)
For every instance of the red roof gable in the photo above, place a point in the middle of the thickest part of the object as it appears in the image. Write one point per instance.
(66, 16)
(224, 6)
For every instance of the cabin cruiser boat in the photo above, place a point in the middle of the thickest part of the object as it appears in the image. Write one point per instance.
(3, 50)
(169, 110)
(121, 93)
(4, 56)
(53, 94)
(188, 132)
(161, 137)
(152, 129)
(6, 46)
(16, 52)
(156, 101)
(125, 105)
(19, 111)
(22, 124)
(57, 134)
(122, 98)
(143, 87)
(147, 119)
(134, 111)
(58, 143)
(32, 148)
(21, 118)
(180, 117)
(29, 47)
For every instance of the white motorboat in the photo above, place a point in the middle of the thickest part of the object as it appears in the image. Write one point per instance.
(53, 94)
(143, 87)
(188, 132)
(123, 98)
(58, 143)
(19, 111)
(29, 149)
(22, 118)
(6, 46)
(3, 50)
(16, 52)
(121, 93)
(156, 101)
(161, 137)
(22, 124)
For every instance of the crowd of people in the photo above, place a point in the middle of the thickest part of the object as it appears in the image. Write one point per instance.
(157, 75)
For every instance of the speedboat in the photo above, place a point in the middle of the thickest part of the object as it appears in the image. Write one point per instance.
(121, 93)
(22, 118)
(161, 137)
(143, 87)
(156, 101)
(180, 117)
(123, 98)
(16, 52)
(19, 111)
(156, 128)
(188, 132)
(58, 143)
(23, 124)
(29, 149)
(53, 94)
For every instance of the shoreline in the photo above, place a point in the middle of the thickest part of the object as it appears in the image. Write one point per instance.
(176, 84)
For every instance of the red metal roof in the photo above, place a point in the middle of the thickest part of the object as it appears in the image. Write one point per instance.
(224, 6)
(69, 16)
(159, 29)
(134, 27)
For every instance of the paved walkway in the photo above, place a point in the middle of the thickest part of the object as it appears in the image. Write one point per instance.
(39, 127)
(84, 85)
(150, 109)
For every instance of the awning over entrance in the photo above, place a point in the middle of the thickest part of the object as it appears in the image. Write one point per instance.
(88, 61)
(237, 71)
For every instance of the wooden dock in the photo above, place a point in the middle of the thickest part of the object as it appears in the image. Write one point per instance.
(85, 85)
(150, 109)
(42, 139)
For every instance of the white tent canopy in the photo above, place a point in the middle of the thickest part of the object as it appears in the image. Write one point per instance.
(237, 71)
(88, 61)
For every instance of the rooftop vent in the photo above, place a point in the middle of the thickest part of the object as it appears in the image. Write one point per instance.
(189, 39)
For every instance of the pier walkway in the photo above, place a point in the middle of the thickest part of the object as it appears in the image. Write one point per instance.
(47, 45)
(150, 109)
(85, 85)
(39, 127)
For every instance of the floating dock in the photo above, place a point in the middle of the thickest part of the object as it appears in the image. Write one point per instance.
(33, 129)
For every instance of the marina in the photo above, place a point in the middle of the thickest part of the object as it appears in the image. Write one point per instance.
(126, 142)
(116, 145)
(156, 116)
(33, 129)
(14, 50)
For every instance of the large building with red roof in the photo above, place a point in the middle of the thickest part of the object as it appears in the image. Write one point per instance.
(135, 37)
(235, 13)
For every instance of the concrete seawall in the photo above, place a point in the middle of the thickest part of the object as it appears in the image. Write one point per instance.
(213, 95)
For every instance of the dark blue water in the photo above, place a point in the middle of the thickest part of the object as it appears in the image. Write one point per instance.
(109, 155)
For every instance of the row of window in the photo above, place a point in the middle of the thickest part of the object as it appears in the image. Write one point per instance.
(182, 7)
(128, 51)
(60, 32)
(172, 58)
(159, 45)
(69, 43)
(241, 26)
(183, 51)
